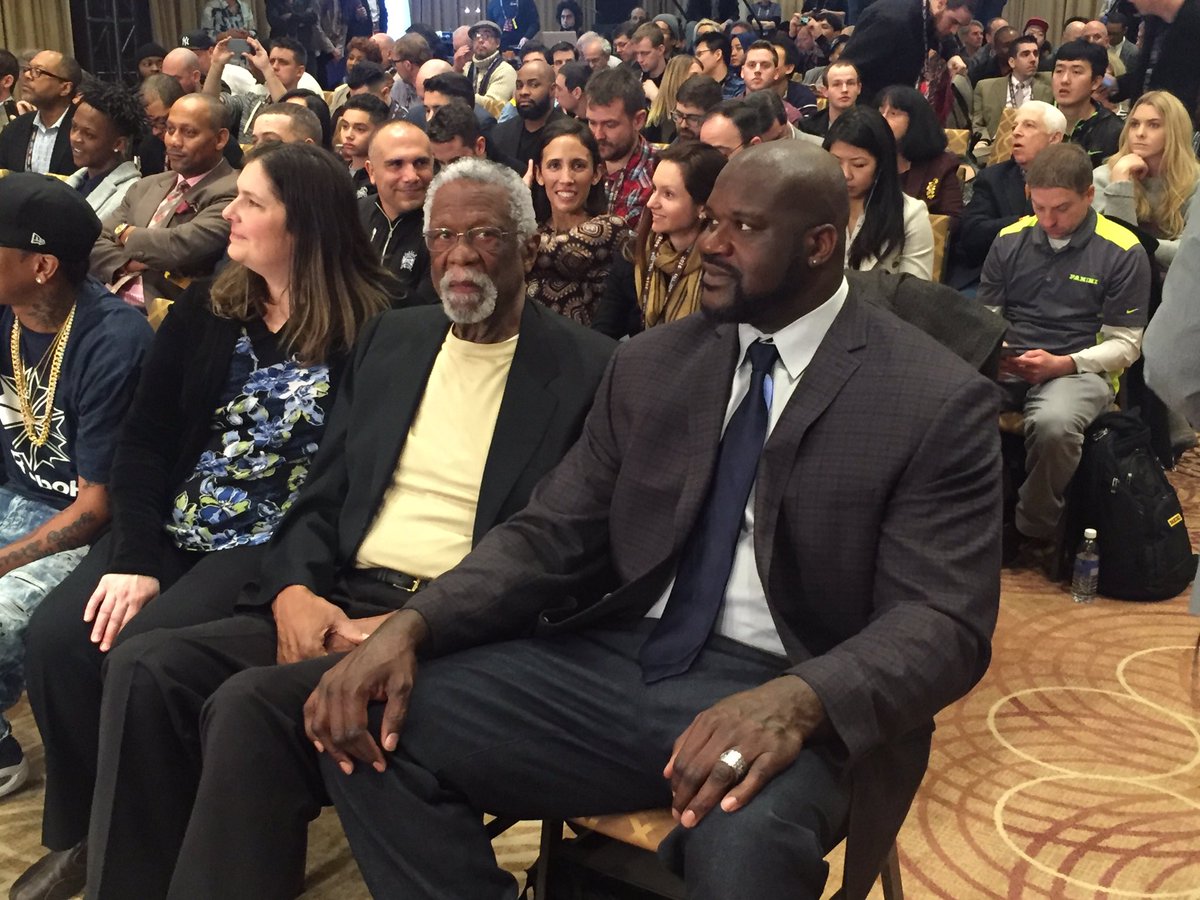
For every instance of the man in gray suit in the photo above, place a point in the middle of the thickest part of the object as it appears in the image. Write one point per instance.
(795, 500)
(172, 222)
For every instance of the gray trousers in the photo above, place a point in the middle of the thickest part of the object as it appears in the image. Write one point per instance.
(1057, 412)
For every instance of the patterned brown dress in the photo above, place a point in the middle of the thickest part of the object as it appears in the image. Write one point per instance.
(570, 270)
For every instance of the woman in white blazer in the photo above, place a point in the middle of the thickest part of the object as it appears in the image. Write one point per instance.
(106, 123)
(888, 229)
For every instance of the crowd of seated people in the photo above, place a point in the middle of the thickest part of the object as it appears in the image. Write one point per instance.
(474, 355)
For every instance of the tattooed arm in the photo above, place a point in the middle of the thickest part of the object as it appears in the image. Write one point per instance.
(74, 527)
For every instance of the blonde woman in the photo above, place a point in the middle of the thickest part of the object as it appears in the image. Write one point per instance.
(659, 128)
(1151, 180)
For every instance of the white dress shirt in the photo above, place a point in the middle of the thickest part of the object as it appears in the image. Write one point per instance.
(744, 615)
(44, 138)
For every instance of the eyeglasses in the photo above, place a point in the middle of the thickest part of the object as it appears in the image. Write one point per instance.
(38, 72)
(485, 239)
(691, 119)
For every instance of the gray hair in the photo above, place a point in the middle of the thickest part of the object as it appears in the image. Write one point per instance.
(1053, 121)
(590, 37)
(520, 201)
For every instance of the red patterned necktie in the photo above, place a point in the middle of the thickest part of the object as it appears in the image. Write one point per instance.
(168, 204)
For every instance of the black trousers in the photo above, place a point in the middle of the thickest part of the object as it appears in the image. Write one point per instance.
(528, 728)
(156, 713)
(63, 666)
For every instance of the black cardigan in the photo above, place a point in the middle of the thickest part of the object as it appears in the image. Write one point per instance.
(169, 424)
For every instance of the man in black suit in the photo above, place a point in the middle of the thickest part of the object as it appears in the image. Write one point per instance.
(1167, 61)
(520, 139)
(40, 141)
(445, 420)
(1000, 197)
(782, 621)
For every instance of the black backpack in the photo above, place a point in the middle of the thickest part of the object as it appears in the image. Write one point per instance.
(1120, 489)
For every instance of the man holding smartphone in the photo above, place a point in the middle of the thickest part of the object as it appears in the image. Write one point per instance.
(1074, 287)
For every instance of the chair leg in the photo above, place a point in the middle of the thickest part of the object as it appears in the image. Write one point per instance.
(890, 876)
(552, 830)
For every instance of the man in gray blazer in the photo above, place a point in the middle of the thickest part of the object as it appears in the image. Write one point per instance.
(172, 222)
(782, 620)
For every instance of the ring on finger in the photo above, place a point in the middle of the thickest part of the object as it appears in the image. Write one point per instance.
(736, 761)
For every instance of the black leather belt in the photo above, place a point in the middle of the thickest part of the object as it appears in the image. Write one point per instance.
(399, 580)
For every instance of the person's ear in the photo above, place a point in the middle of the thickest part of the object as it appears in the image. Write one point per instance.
(222, 138)
(370, 170)
(639, 120)
(529, 250)
(481, 146)
(820, 244)
(537, 173)
(44, 267)
(597, 175)
(757, 139)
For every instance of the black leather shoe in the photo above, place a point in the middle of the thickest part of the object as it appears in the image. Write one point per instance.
(59, 875)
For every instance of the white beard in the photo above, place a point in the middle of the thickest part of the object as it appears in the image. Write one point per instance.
(467, 309)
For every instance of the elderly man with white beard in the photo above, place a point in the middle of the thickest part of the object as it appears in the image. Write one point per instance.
(446, 419)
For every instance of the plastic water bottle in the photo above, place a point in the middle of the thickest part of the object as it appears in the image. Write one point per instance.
(1087, 569)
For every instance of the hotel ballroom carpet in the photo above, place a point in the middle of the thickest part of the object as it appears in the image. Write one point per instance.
(1071, 772)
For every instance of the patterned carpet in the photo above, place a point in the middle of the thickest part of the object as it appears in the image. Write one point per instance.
(1072, 772)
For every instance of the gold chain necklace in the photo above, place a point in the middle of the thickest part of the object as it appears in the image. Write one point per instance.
(38, 431)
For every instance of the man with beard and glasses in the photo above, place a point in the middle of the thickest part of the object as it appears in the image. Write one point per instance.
(725, 595)
(484, 394)
(521, 138)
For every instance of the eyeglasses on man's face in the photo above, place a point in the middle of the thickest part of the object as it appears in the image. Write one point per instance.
(692, 120)
(38, 72)
(485, 239)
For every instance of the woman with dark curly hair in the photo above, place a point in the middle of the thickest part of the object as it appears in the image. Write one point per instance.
(928, 171)
(107, 123)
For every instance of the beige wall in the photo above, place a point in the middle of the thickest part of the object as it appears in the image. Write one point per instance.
(35, 25)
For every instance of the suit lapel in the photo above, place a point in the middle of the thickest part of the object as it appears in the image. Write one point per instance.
(527, 407)
(824, 378)
(708, 379)
(402, 401)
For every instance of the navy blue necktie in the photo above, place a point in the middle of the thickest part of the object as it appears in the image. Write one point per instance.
(707, 559)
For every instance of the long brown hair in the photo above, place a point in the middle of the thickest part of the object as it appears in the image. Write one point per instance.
(337, 282)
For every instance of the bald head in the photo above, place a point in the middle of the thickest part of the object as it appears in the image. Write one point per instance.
(461, 37)
(1096, 32)
(400, 163)
(536, 67)
(184, 66)
(1073, 31)
(802, 221)
(427, 71)
(386, 45)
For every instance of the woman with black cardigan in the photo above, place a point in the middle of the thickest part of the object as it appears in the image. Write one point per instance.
(227, 416)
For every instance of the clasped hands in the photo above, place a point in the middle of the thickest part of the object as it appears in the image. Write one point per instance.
(768, 724)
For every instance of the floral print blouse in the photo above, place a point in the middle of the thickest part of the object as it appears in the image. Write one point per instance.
(265, 432)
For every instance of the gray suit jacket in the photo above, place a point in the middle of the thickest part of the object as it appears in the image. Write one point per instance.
(186, 243)
(992, 93)
(877, 529)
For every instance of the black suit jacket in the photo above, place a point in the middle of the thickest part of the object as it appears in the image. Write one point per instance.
(888, 45)
(14, 144)
(506, 137)
(999, 200)
(876, 528)
(1175, 69)
(554, 375)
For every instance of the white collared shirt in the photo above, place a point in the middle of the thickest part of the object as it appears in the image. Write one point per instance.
(44, 138)
(744, 615)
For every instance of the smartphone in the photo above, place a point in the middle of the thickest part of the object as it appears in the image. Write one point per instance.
(238, 46)
(1013, 351)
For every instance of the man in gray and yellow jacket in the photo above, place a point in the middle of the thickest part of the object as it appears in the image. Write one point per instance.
(1074, 287)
